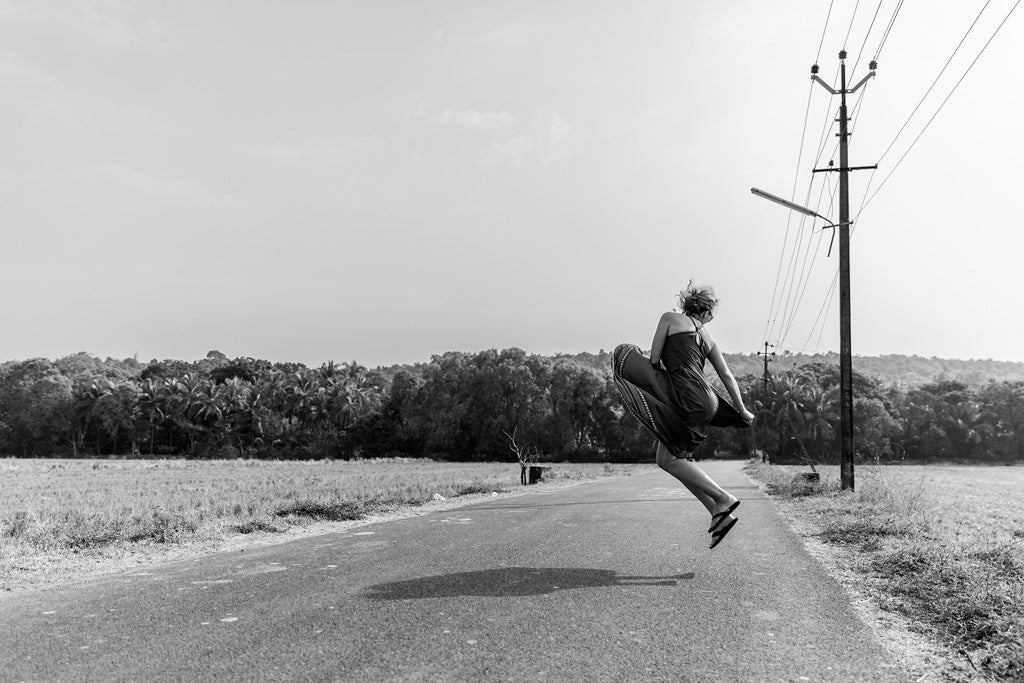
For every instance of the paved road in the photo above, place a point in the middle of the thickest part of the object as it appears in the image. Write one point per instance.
(605, 581)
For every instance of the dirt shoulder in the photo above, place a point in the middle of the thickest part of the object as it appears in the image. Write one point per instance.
(910, 642)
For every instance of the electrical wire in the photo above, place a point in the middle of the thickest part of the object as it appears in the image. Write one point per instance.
(790, 274)
(794, 280)
(796, 175)
(787, 301)
(830, 120)
(885, 36)
(825, 28)
(830, 293)
(826, 309)
(860, 53)
(802, 282)
(777, 304)
(852, 17)
(934, 82)
(806, 275)
(798, 284)
(970, 66)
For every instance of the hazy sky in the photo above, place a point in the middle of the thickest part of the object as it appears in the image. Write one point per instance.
(382, 181)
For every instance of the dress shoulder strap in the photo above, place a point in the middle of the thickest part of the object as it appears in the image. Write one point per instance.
(700, 337)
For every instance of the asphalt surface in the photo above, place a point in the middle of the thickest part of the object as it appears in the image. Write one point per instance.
(606, 581)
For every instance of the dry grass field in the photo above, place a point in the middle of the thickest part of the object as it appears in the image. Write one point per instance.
(64, 518)
(940, 545)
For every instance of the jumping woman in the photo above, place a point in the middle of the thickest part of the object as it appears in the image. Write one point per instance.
(669, 395)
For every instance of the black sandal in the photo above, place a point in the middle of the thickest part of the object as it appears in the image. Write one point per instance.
(717, 518)
(717, 537)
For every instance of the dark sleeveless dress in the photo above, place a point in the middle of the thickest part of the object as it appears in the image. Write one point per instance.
(676, 406)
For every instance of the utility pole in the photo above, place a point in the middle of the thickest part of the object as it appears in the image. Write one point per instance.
(845, 344)
(764, 395)
(766, 359)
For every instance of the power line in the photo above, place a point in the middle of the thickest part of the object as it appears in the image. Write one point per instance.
(789, 317)
(932, 86)
(852, 17)
(796, 175)
(791, 285)
(865, 198)
(803, 281)
(826, 308)
(885, 36)
(860, 53)
(824, 28)
(775, 310)
(971, 66)
(793, 259)
(806, 276)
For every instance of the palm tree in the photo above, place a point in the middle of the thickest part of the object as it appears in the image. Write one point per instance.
(819, 412)
(235, 395)
(784, 410)
(184, 404)
(88, 406)
(154, 402)
(965, 425)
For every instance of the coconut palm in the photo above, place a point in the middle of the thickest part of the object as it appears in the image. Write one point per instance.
(819, 415)
(966, 426)
(154, 399)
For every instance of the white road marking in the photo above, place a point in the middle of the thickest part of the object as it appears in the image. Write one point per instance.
(228, 620)
(263, 569)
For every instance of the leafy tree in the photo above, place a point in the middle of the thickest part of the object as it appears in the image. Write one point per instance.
(875, 430)
(1004, 402)
(35, 408)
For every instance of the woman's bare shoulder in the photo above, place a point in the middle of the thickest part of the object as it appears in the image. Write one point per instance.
(676, 322)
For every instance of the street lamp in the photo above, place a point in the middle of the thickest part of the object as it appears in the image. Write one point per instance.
(800, 209)
(845, 346)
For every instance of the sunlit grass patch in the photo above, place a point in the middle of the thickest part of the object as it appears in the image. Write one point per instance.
(55, 511)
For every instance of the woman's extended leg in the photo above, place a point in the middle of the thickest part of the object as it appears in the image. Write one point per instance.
(714, 497)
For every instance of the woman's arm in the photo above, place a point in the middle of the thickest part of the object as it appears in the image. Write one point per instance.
(659, 338)
(725, 374)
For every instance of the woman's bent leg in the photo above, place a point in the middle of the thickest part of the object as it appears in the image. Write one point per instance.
(703, 487)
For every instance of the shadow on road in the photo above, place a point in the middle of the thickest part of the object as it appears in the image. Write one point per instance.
(512, 582)
(674, 499)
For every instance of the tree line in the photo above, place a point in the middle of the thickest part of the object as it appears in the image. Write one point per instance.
(467, 406)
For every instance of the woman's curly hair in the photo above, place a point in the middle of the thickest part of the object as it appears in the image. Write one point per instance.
(697, 299)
